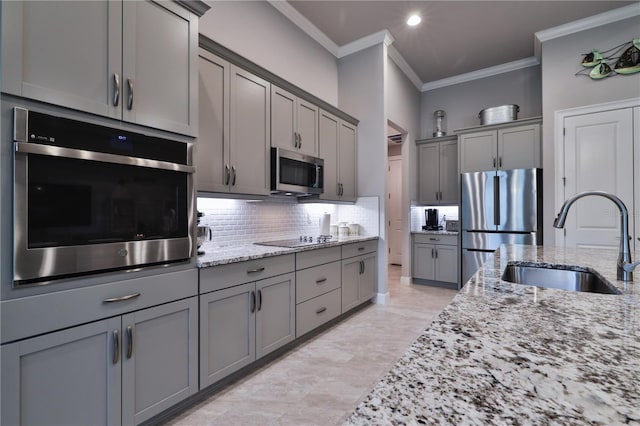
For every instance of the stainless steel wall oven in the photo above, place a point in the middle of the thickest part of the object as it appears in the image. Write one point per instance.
(91, 199)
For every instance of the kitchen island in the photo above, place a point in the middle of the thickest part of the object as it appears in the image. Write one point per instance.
(504, 353)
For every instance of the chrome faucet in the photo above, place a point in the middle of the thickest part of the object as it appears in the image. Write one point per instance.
(624, 263)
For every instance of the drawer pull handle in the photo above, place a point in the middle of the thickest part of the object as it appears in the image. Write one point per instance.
(321, 310)
(321, 280)
(121, 298)
(434, 239)
(255, 271)
(360, 248)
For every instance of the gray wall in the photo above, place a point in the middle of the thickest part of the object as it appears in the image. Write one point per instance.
(562, 90)
(402, 100)
(462, 102)
(361, 78)
(260, 33)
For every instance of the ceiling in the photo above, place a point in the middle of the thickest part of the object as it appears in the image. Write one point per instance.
(455, 37)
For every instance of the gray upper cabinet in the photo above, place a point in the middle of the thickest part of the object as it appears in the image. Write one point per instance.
(159, 66)
(502, 147)
(134, 61)
(338, 149)
(232, 152)
(212, 147)
(438, 171)
(249, 138)
(294, 122)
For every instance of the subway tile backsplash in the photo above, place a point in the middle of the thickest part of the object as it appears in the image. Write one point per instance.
(246, 222)
(444, 212)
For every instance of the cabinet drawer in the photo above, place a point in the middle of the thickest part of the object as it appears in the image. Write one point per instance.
(451, 240)
(219, 277)
(312, 282)
(317, 311)
(72, 307)
(307, 259)
(356, 249)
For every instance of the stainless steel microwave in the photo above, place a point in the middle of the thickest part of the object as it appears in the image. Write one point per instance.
(89, 199)
(293, 173)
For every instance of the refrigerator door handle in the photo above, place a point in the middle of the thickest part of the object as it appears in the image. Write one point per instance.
(496, 200)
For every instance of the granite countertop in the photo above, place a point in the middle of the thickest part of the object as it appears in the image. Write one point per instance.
(222, 255)
(503, 353)
(436, 232)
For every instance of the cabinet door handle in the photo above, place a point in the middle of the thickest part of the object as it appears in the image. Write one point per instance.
(494, 162)
(436, 253)
(321, 310)
(321, 280)
(259, 299)
(130, 100)
(500, 162)
(116, 346)
(227, 174)
(440, 195)
(130, 341)
(233, 172)
(121, 298)
(255, 271)
(432, 253)
(116, 89)
(299, 141)
(253, 301)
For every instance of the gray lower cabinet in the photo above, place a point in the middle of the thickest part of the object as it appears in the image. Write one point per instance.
(121, 370)
(359, 276)
(318, 284)
(132, 61)
(243, 323)
(435, 258)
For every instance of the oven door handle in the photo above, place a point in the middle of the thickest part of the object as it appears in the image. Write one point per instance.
(80, 154)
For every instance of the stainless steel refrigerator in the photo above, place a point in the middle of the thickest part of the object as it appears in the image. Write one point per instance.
(498, 207)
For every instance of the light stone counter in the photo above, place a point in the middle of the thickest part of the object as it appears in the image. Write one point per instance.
(503, 353)
(221, 255)
(436, 232)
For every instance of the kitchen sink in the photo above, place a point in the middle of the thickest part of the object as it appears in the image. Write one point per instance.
(571, 278)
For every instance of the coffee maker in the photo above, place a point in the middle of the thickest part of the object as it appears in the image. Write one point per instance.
(432, 220)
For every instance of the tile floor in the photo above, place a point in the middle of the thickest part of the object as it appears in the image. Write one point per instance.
(322, 381)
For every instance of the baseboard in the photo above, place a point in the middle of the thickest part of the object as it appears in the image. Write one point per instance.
(405, 280)
(381, 298)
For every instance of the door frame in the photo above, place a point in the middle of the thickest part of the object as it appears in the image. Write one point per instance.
(400, 243)
(559, 154)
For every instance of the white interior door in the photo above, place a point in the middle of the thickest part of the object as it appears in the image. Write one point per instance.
(394, 198)
(598, 156)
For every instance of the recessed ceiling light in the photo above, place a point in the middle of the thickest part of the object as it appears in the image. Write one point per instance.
(414, 20)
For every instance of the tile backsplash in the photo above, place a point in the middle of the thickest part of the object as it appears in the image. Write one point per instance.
(246, 222)
(444, 212)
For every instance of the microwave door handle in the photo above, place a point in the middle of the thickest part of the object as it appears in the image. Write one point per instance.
(317, 182)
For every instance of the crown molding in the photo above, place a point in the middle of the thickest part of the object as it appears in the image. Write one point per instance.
(305, 25)
(604, 18)
(366, 42)
(404, 66)
(483, 73)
